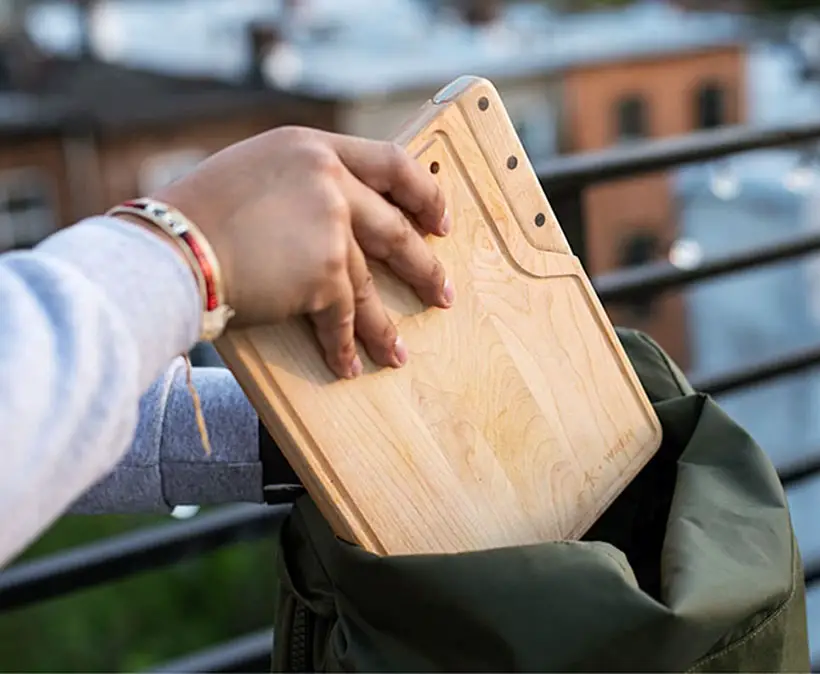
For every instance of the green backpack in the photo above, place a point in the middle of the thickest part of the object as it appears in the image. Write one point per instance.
(694, 568)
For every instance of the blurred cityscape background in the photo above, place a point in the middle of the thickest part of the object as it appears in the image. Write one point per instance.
(101, 100)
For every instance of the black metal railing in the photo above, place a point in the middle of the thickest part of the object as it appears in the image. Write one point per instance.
(564, 180)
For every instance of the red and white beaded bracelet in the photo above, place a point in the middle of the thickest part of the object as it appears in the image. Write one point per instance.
(197, 251)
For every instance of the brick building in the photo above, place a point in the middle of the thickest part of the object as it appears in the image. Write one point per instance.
(634, 221)
(83, 135)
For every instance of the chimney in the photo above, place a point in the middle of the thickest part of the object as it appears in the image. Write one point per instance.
(263, 38)
(21, 63)
(85, 11)
(480, 12)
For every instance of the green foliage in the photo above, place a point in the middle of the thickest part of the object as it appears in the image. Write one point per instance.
(139, 622)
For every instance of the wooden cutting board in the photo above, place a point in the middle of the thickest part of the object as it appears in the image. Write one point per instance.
(518, 418)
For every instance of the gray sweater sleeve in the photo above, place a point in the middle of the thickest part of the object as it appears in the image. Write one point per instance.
(166, 464)
(88, 320)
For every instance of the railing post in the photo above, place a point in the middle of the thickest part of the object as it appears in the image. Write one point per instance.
(205, 355)
(568, 205)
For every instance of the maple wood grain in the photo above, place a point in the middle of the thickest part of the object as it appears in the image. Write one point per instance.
(518, 418)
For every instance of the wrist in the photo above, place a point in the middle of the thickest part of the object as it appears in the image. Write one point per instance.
(186, 196)
(169, 222)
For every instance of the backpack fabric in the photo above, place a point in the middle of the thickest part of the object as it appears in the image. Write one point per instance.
(693, 568)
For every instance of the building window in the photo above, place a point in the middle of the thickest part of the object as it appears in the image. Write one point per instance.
(162, 169)
(26, 209)
(640, 248)
(710, 106)
(631, 118)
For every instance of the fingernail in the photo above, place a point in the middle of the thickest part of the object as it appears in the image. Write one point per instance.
(356, 368)
(448, 292)
(446, 222)
(400, 349)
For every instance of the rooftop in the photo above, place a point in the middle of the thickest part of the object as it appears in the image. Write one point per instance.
(359, 48)
(59, 92)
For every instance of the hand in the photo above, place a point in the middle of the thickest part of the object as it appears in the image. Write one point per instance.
(292, 215)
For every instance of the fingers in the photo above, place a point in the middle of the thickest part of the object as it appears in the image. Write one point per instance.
(393, 201)
(385, 233)
(373, 326)
(335, 331)
(387, 169)
(357, 310)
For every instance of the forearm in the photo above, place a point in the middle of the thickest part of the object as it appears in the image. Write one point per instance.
(89, 319)
(166, 464)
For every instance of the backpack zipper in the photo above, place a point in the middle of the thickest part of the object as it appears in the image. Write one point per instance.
(300, 640)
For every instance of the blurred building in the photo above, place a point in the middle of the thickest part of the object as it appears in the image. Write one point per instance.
(750, 200)
(745, 318)
(131, 93)
(77, 136)
(696, 82)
